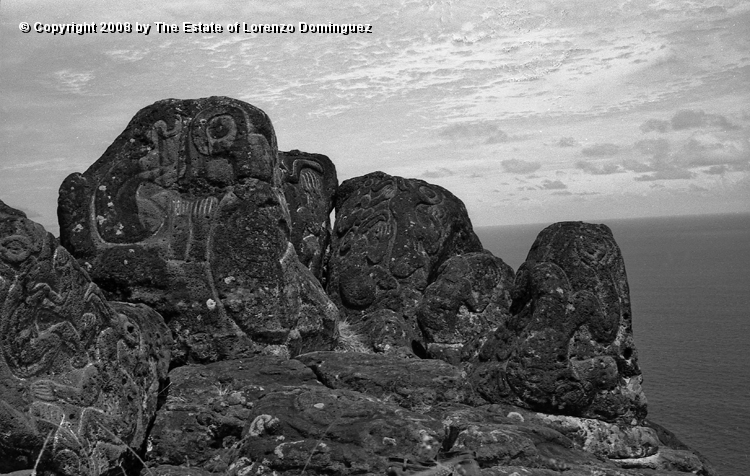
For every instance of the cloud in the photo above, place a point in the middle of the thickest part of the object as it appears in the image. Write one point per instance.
(68, 81)
(717, 170)
(516, 166)
(655, 125)
(469, 130)
(601, 150)
(667, 174)
(692, 118)
(688, 118)
(439, 173)
(657, 148)
(483, 132)
(567, 142)
(636, 166)
(593, 169)
(708, 149)
(497, 137)
(553, 185)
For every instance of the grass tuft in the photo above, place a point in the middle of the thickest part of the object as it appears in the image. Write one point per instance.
(349, 340)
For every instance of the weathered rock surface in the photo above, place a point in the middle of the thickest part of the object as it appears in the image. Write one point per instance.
(392, 234)
(270, 414)
(186, 212)
(468, 300)
(384, 415)
(567, 347)
(192, 210)
(415, 384)
(79, 376)
(310, 183)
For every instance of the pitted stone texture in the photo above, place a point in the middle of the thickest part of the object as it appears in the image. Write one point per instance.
(415, 384)
(208, 406)
(75, 368)
(185, 211)
(310, 183)
(467, 301)
(568, 346)
(272, 415)
(391, 236)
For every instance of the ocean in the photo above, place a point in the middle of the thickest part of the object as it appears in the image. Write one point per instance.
(690, 293)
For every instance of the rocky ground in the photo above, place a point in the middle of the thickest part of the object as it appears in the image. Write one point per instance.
(200, 316)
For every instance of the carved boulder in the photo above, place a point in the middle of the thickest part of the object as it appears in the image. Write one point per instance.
(391, 236)
(79, 376)
(567, 346)
(310, 183)
(186, 212)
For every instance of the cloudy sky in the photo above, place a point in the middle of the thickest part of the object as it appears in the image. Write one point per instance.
(529, 111)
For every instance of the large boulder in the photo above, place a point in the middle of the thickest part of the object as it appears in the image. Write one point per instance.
(310, 183)
(567, 347)
(391, 236)
(186, 212)
(469, 298)
(266, 415)
(79, 376)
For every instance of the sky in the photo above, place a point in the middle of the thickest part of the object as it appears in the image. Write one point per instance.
(529, 111)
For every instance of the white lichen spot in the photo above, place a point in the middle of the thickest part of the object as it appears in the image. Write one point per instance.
(77, 228)
(125, 261)
(389, 441)
(110, 204)
(319, 406)
(560, 291)
(229, 279)
(515, 416)
(280, 438)
(131, 250)
(294, 334)
(210, 304)
(103, 188)
(100, 219)
(261, 424)
(132, 141)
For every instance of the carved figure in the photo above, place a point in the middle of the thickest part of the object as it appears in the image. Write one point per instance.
(74, 366)
(567, 346)
(186, 212)
(309, 186)
(392, 234)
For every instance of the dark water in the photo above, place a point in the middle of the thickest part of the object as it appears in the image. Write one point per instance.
(690, 291)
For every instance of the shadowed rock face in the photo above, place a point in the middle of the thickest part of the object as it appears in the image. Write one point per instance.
(186, 212)
(73, 366)
(309, 186)
(392, 234)
(568, 346)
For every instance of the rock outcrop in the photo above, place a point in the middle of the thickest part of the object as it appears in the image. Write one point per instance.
(466, 368)
(391, 239)
(568, 345)
(186, 212)
(380, 414)
(309, 186)
(79, 375)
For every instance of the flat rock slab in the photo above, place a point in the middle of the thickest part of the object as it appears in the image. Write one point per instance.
(272, 413)
(412, 383)
(208, 407)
